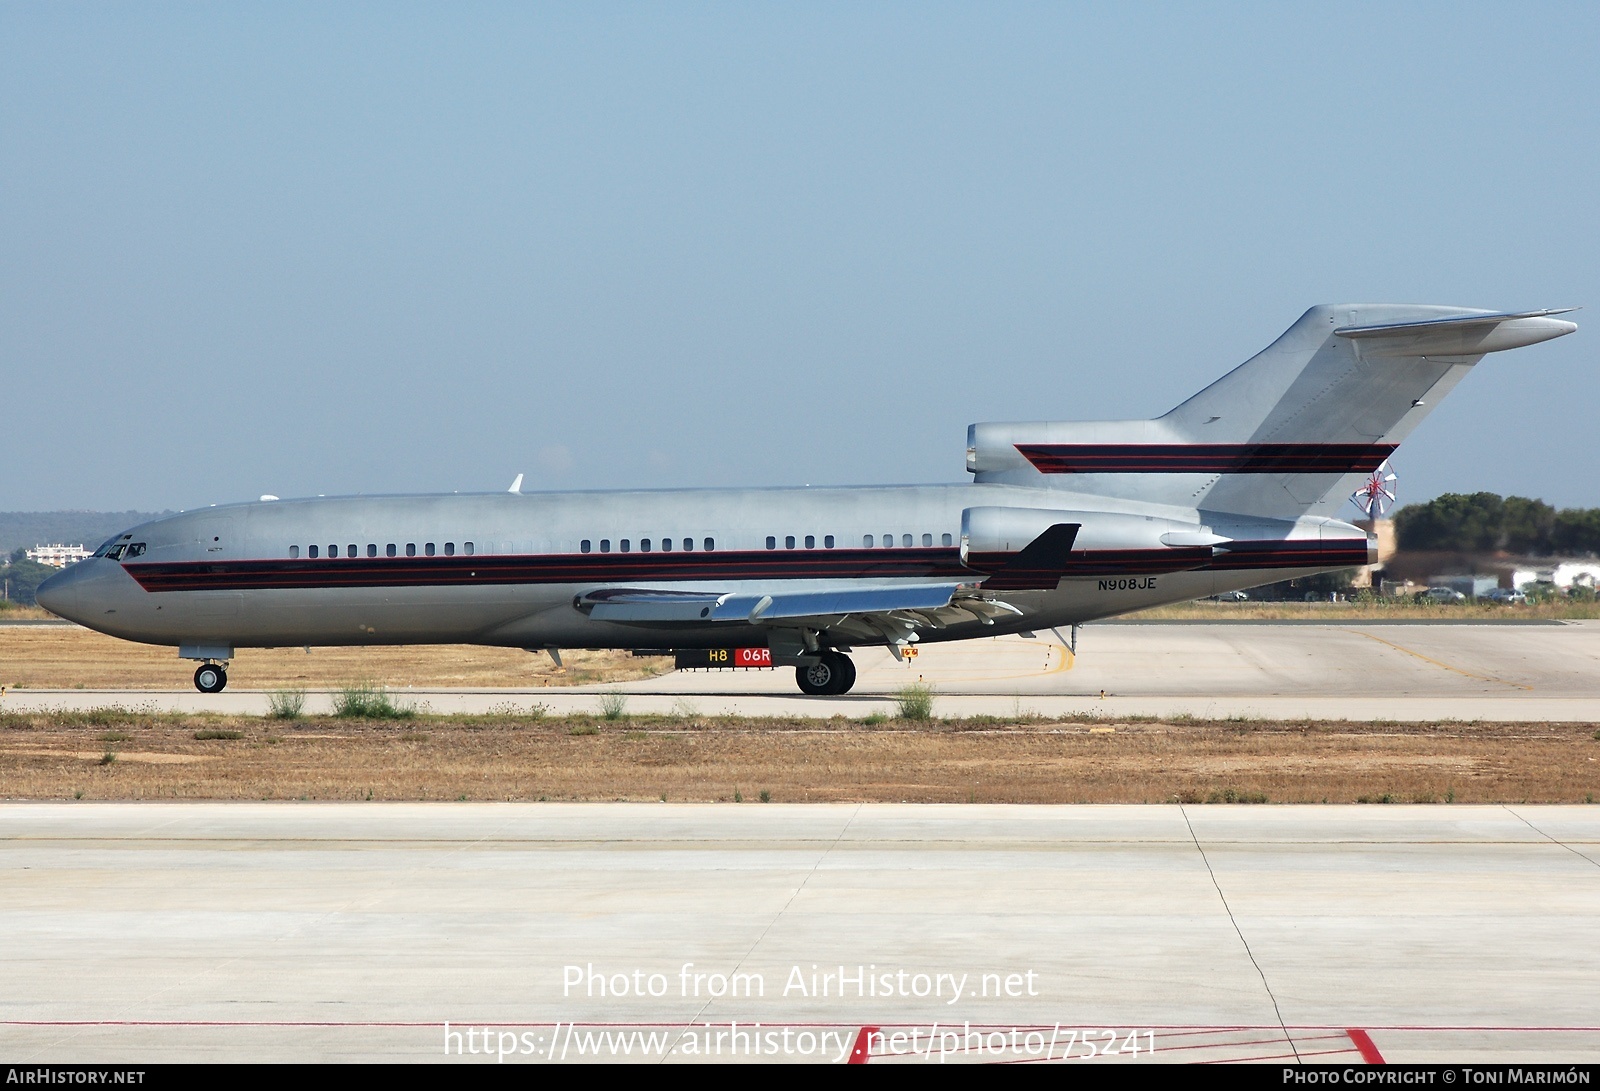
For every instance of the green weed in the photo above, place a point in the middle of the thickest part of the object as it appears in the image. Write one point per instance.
(915, 702)
(369, 702)
(1234, 795)
(286, 704)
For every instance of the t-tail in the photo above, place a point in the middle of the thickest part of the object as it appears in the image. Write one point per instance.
(1288, 433)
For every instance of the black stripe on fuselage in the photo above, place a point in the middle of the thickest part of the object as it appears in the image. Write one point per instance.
(1339, 553)
(1206, 458)
(551, 568)
(648, 568)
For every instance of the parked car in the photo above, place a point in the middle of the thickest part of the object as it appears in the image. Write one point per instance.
(1506, 596)
(1231, 596)
(1441, 594)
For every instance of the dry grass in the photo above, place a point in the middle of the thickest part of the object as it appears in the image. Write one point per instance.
(59, 755)
(69, 657)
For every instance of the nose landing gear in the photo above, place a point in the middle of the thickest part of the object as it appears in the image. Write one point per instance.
(831, 675)
(211, 678)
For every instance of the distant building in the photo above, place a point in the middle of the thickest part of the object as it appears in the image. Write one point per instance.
(1472, 586)
(1565, 576)
(57, 556)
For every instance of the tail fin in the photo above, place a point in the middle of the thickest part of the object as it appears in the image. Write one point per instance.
(1289, 432)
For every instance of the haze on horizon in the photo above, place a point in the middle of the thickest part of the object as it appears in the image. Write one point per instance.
(294, 249)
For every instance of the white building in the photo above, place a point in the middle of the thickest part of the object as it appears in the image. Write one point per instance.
(57, 556)
(1565, 576)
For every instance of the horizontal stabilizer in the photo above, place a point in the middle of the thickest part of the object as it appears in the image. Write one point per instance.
(1459, 335)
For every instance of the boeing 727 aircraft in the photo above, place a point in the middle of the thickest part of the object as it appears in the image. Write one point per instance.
(1063, 523)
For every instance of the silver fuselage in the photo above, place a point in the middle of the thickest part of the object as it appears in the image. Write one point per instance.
(507, 569)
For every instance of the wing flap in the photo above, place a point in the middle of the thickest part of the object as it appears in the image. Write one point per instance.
(650, 605)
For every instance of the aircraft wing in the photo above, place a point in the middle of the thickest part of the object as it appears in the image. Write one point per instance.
(884, 612)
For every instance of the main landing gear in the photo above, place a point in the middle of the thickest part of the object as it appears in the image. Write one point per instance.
(211, 678)
(832, 674)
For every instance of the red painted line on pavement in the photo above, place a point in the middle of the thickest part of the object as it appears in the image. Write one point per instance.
(1276, 1057)
(861, 1052)
(1363, 1041)
(1234, 1044)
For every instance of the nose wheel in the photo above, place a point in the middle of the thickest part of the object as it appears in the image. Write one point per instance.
(832, 674)
(211, 678)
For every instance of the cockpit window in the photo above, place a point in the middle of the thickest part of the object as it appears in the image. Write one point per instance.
(115, 553)
(135, 549)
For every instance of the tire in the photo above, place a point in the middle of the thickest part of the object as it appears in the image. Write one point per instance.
(210, 678)
(847, 672)
(832, 674)
(818, 679)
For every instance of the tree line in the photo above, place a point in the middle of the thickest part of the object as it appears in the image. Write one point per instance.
(20, 578)
(1486, 522)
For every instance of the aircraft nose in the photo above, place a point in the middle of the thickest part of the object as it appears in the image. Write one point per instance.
(62, 594)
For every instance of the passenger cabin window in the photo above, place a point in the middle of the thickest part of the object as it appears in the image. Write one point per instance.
(333, 551)
(811, 541)
(411, 549)
(827, 542)
(390, 549)
(945, 539)
(666, 545)
(927, 539)
(466, 548)
(449, 549)
(428, 549)
(372, 549)
(772, 543)
(866, 540)
(888, 541)
(605, 545)
(905, 540)
(710, 544)
(583, 546)
(644, 545)
(788, 541)
(626, 546)
(294, 553)
(350, 550)
(688, 544)
(312, 552)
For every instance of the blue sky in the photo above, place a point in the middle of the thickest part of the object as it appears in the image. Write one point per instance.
(332, 249)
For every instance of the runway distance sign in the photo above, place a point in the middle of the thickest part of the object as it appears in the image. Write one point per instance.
(724, 657)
